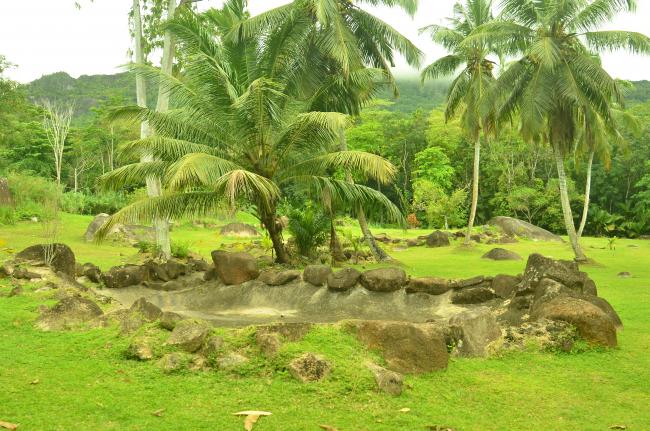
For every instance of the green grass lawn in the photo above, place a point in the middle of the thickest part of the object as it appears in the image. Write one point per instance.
(86, 384)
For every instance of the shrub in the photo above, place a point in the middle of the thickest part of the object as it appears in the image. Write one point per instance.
(181, 250)
(93, 204)
(7, 216)
(309, 228)
(33, 196)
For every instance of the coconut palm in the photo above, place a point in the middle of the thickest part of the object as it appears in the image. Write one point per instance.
(236, 134)
(344, 43)
(468, 92)
(558, 79)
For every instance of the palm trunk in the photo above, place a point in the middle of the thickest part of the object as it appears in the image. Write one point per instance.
(270, 222)
(566, 207)
(335, 245)
(379, 254)
(585, 209)
(475, 179)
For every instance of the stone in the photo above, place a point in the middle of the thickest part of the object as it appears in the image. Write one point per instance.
(414, 242)
(69, 311)
(165, 271)
(387, 381)
(210, 274)
(476, 237)
(21, 273)
(438, 239)
(344, 279)
(130, 322)
(189, 335)
(198, 363)
(15, 291)
(242, 230)
(468, 282)
(309, 368)
(124, 276)
(565, 272)
(591, 322)
(382, 237)
(231, 361)
(197, 265)
(78, 270)
(235, 268)
(149, 311)
(624, 274)
(472, 295)
(428, 285)
(274, 277)
(173, 362)
(406, 347)
(59, 256)
(94, 226)
(547, 334)
(514, 227)
(504, 285)
(478, 329)
(92, 272)
(212, 345)
(269, 343)
(316, 274)
(169, 319)
(291, 331)
(140, 349)
(501, 254)
(383, 279)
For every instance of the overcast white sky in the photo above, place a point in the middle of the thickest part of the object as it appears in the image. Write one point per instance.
(46, 36)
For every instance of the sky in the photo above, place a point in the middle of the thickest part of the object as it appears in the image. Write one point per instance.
(47, 36)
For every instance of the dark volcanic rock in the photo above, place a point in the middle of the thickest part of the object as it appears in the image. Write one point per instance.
(383, 279)
(274, 277)
(59, 256)
(344, 279)
(316, 274)
(438, 239)
(124, 276)
(235, 268)
(504, 285)
(429, 285)
(309, 368)
(92, 272)
(478, 329)
(472, 295)
(169, 319)
(69, 311)
(387, 381)
(150, 311)
(189, 334)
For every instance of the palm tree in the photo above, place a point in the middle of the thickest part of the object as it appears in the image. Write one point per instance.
(235, 133)
(558, 80)
(468, 91)
(344, 43)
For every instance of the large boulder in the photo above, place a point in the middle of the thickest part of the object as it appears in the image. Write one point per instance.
(59, 256)
(273, 277)
(69, 311)
(406, 347)
(124, 276)
(592, 323)
(189, 335)
(165, 271)
(94, 226)
(148, 310)
(309, 368)
(473, 295)
(514, 227)
(477, 330)
(235, 268)
(344, 279)
(240, 230)
(501, 254)
(316, 274)
(504, 285)
(438, 239)
(92, 272)
(383, 279)
(428, 285)
(565, 272)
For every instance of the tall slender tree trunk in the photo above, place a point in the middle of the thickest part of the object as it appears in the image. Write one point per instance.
(335, 245)
(585, 209)
(270, 222)
(379, 254)
(566, 206)
(475, 180)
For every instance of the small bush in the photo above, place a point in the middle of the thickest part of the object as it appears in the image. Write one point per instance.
(33, 196)
(309, 228)
(7, 216)
(93, 204)
(181, 250)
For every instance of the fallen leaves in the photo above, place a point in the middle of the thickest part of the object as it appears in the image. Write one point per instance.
(8, 425)
(251, 417)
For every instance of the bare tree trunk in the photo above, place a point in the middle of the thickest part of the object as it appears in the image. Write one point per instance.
(76, 176)
(585, 209)
(475, 179)
(335, 245)
(270, 222)
(377, 251)
(566, 206)
(56, 123)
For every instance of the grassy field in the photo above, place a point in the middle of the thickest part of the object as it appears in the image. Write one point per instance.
(84, 382)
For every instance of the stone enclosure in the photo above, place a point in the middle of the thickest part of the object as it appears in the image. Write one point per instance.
(416, 324)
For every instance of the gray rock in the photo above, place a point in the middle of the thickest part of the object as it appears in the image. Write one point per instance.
(173, 362)
(501, 254)
(514, 227)
(504, 285)
(472, 295)
(234, 268)
(124, 276)
(309, 368)
(69, 311)
(387, 381)
(383, 279)
(189, 335)
(274, 277)
(149, 311)
(291, 331)
(231, 361)
(94, 226)
(478, 329)
(240, 230)
(92, 272)
(344, 279)
(316, 274)
(169, 319)
(428, 285)
(624, 274)
(140, 349)
(438, 239)
(212, 345)
(269, 343)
